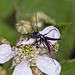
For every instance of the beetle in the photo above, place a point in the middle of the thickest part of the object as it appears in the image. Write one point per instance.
(42, 37)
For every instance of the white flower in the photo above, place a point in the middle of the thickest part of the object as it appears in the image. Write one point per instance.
(44, 63)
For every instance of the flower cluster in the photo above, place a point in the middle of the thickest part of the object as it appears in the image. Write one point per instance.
(25, 54)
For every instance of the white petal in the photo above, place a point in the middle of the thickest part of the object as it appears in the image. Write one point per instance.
(30, 41)
(48, 66)
(4, 48)
(53, 34)
(22, 69)
(6, 53)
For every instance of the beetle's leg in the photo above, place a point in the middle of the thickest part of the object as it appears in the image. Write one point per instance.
(51, 44)
(43, 44)
(52, 58)
(23, 36)
(49, 50)
(36, 43)
(40, 40)
(47, 44)
(28, 37)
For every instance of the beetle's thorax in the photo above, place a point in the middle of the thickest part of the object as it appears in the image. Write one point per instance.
(36, 34)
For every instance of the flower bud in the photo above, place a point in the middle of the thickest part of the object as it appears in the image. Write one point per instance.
(23, 27)
(41, 19)
(3, 72)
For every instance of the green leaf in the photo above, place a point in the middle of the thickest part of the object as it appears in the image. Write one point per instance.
(9, 71)
(68, 67)
(8, 33)
(6, 7)
(66, 45)
(63, 27)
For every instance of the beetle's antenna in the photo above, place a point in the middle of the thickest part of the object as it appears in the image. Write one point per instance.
(52, 58)
(32, 27)
(36, 20)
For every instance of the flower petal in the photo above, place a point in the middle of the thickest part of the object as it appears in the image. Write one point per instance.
(6, 53)
(48, 66)
(22, 69)
(54, 33)
(30, 41)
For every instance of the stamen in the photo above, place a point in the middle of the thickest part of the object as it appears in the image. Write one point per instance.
(28, 52)
(23, 51)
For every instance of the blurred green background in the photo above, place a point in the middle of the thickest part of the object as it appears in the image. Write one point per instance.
(59, 10)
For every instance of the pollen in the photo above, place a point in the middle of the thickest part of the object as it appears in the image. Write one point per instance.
(28, 52)
(23, 51)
